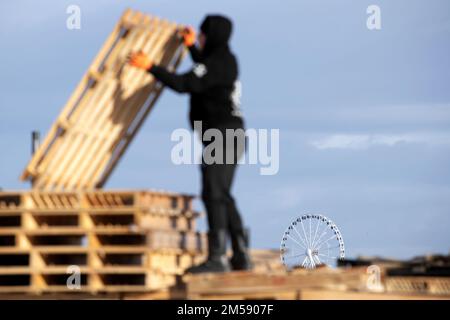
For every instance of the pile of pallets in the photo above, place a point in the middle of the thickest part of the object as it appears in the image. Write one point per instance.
(302, 284)
(118, 241)
(276, 284)
(423, 275)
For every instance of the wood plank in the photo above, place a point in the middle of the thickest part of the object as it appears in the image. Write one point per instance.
(15, 270)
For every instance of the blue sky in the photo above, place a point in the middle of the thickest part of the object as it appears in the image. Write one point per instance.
(363, 115)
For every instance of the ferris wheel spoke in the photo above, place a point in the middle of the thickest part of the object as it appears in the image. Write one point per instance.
(312, 265)
(310, 233)
(301, 238)
(328, 248)
(295, 241)
(315, 234)
(303, 244)
(332, 237)
(325, 226)
(295, 256)
(306, 237)
(306, 264)
(320, 237)
(321, 245)
(324, 255)
(290, 250)
(334, 247)
(304, 261)
(323, 231)
(292, 253)
(325, 241)
(317, 259)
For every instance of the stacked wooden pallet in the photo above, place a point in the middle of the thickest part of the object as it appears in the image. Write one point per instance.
(323, 283)
(107, 107)
(119, 241)
(423, 275)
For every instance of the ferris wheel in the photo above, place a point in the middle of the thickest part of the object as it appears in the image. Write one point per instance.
(311, 240)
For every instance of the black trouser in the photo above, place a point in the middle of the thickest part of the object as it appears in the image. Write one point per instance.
(217, 180)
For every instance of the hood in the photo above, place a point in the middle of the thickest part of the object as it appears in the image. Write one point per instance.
(217, 30)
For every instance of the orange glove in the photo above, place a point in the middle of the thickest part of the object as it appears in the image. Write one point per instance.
(188, 34)
(140, 60)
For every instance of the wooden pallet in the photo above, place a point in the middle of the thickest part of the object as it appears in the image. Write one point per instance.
(95, 201)
(269, 285)
(324, 283)
(107, 108)
(316, 294)
(122, 241)
(418, 285)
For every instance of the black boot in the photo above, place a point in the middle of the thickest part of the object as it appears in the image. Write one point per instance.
(217, 260)
(240, 243)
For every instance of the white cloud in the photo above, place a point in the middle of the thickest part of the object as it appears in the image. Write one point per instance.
(359, 118)
(365, 141)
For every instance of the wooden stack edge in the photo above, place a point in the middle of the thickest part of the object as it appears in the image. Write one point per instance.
(436, 286)
(160, 271)
(121, 241)
(339, 284)
(269, 285)
(267, 282)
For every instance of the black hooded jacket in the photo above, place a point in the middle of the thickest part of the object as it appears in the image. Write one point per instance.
(213, 81)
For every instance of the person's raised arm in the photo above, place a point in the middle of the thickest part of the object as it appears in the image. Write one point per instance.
(195, 81)
(188, 34)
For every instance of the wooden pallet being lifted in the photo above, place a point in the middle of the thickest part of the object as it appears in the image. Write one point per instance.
(107, 108)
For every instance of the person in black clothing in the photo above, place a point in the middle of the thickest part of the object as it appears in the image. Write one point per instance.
(214, 100)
